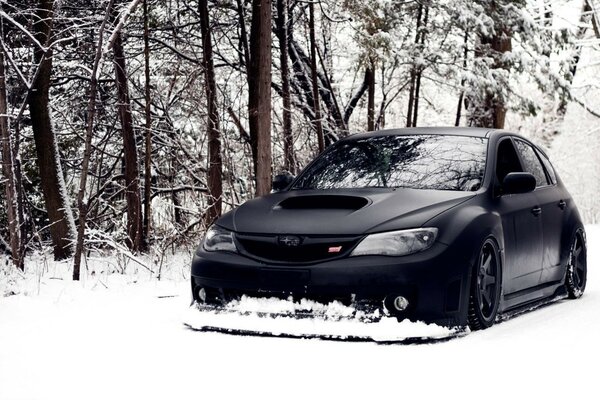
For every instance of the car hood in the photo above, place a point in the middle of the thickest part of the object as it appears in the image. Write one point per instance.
(340, 212)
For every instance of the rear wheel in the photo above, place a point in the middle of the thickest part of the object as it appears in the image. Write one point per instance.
(577, 267)
(486, 284)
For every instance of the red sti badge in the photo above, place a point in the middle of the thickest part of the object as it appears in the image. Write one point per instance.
(335, 249)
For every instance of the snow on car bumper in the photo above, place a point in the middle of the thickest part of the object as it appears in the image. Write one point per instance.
(435, 281)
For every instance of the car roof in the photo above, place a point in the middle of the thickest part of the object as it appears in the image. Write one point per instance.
(450, 130)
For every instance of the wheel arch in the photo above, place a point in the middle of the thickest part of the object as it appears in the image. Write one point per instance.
(571, 226)
(468, 227)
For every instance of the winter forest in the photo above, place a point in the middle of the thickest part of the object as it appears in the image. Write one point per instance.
(129, 126)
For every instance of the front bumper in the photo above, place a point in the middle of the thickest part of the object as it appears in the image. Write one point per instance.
(435, 281)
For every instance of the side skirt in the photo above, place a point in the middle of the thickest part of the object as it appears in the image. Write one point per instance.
(525, 298)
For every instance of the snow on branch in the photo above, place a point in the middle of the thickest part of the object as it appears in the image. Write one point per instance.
(595, 18)
(110, 242)
(23, 29)
(586, 108)
(4, 246)
(14, 65)
(122, 19)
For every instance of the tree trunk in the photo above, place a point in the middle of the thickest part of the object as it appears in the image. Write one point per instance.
(62, 225)
(259, 94)
(132, 179)
(489, 109)
(411, 98)
(380, 120)
(371, 97)
(315, 83)
(82, 203)
(420, 68)
(335, 106)
(288, 138)
(10, 188)
(416, 98)
(245, 48)
(302, 84)
(148, 135)
(356, 98)
(461, 97)
(215, 163)
(501, 44)
(413, 73)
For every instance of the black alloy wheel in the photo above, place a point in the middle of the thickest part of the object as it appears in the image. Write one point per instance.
(577, 268)
(485, 287)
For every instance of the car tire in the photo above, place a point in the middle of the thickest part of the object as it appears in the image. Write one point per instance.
(486, 285)
(576, 274)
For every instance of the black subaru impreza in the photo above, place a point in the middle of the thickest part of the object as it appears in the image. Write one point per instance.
(445, 225)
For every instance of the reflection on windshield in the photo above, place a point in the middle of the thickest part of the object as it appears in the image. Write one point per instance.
(418, 161)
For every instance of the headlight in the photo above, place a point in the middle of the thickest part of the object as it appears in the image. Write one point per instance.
(396, 243)
(219, 239)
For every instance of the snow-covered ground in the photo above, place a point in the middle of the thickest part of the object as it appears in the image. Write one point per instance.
(117, 336)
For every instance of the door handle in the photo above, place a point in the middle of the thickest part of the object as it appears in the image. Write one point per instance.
(536, 210)
(562, 204)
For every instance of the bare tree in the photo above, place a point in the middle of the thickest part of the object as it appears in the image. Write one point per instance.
(416, 70)
(356, 98)
(215, 162)
(259, 93)
(82, 203)
(130, 156)
(282, 35)
(62, 226)
(461, 97)
(419, 69)
(147, 133)
(370, 74)
(10, 188)
(315, 83)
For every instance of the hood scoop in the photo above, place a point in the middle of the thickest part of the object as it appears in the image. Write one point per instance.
(323, 202)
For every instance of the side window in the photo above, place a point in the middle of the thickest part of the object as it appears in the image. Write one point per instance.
(507, 160)
(531, 163)
(548, 166)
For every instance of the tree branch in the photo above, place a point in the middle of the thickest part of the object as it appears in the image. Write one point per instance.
(595, 17)
(24, 30)
(354, 101)
(586, 108)
(236, 120)
(124, 16)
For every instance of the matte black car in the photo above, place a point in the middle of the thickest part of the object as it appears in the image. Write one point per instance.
(445, 225)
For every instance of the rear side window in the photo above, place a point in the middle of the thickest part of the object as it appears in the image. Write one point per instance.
(532, 163)
(548, 166)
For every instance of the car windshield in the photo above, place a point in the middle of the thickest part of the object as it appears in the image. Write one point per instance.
(440, 162)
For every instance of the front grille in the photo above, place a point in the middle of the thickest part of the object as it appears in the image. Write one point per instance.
(310, 249)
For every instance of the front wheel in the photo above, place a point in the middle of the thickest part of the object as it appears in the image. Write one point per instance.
(486, 285)
(577, 267)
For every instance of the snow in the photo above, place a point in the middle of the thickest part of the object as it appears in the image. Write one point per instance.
(333, 319)
(122, 336)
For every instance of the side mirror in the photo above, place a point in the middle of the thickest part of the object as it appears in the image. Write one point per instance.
(518, 182)
(282, 181)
